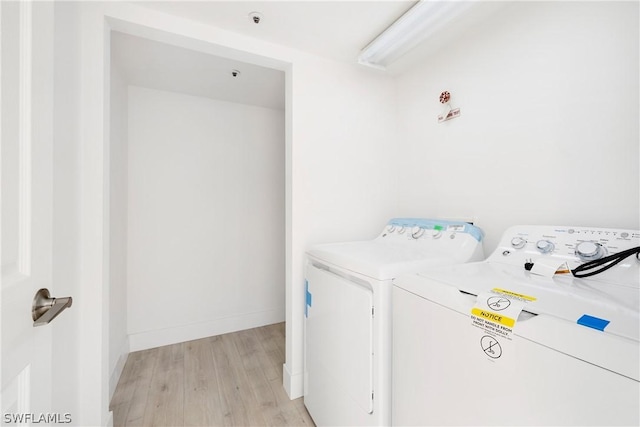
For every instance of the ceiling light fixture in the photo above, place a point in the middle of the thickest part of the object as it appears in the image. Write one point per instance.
(418, 23)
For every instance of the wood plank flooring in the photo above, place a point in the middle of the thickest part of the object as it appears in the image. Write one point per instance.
(227, 380)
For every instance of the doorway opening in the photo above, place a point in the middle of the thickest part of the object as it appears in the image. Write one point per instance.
(196, 196)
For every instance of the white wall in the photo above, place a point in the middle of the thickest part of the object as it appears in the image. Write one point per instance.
(356, 162)
(118, 339)
(206, 200)
(548, 132)
(343, 150)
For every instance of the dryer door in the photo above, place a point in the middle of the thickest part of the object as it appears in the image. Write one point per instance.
(338, 346)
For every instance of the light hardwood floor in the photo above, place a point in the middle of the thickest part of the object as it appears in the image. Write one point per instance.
(227, 380)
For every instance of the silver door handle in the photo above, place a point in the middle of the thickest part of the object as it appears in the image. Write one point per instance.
(45, 308)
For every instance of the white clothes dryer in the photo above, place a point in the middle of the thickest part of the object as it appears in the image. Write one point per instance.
(517, 339)
(348, 313)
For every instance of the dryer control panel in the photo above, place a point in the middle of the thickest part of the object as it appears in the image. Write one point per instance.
(571, 246)
(423, 228)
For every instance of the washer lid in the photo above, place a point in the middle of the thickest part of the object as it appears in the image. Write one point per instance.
(380, 260)
(558, 308)
(562, 296)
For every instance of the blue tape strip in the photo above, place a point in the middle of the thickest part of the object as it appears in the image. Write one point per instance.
(593, 322)
(307, 298)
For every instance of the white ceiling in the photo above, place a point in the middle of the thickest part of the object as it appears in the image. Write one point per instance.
(332, 28)
(156, 65)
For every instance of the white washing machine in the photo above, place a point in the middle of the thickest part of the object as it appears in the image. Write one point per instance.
(348, 313)
(492, 343)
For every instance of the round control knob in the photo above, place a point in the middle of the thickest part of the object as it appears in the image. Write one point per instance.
(518, 242)
(417, 232)
(401, 229)
(391, 228)
(545, 246)
(436, 234)
(589, 251)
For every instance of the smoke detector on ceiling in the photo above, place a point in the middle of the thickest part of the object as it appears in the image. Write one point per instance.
(255, 17)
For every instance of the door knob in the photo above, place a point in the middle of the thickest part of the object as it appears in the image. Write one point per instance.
(45, 308)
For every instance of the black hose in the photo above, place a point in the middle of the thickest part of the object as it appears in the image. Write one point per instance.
(607, 262)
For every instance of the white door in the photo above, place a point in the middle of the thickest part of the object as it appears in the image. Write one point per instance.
(26, 88)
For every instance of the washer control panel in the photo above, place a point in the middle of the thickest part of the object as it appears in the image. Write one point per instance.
(573, 245)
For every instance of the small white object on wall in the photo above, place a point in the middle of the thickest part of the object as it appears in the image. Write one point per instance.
(448, 112)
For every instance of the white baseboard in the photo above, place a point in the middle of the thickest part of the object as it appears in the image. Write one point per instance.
(117, 370)
(293, 384)
(157, 338)
(109, 421)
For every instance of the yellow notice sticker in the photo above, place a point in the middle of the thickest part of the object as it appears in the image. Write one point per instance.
(493, 317)
(514, 295)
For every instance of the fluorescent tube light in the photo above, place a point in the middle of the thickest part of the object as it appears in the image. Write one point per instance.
(418, 23)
